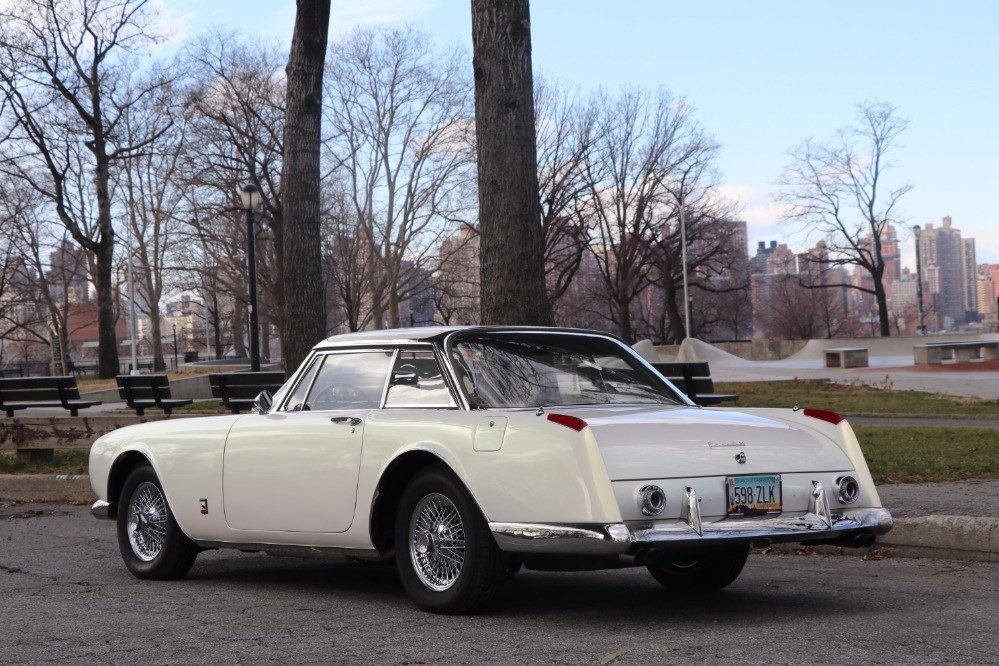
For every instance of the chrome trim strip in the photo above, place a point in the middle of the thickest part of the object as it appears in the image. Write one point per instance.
(101, 509)
(288, 550)
(620, 538)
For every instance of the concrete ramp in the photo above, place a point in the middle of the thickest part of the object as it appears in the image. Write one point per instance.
(693, 350)
(884, 347)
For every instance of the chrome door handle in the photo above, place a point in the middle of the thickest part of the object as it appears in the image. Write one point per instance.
(348, 420)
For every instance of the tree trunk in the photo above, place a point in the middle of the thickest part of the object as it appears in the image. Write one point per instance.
(304, 309)
(882, 299)
(156, 332)
(239, 331)
(511, 247)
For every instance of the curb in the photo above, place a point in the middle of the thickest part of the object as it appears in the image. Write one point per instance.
(947, 537)
(939, 537)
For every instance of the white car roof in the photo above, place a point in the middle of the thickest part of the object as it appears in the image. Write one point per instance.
(397, 336)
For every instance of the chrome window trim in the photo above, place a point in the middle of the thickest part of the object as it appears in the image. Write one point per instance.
(320, 356)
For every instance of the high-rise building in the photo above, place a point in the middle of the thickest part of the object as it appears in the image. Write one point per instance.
(970, 276)
(942, 258)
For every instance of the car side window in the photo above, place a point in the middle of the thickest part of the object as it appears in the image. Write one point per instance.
(352, 380)
(296, 400)
(416, 381)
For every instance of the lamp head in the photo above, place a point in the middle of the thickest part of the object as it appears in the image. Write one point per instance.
(250, 196)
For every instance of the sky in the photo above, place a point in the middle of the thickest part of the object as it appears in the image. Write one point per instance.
(763, 76)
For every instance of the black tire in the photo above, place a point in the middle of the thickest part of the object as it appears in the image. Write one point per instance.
(465, 586)
(699, 571)
(151, 544)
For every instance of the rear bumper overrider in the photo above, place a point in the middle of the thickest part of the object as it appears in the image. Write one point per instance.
(850, 527)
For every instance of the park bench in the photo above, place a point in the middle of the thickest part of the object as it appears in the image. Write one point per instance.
(846, 357)
(24, 392)
(935, 353)
(237, 390)
(142, 392)
(694, 379)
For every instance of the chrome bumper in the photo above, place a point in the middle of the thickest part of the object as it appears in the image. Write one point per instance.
(101, 509)
(815, 524)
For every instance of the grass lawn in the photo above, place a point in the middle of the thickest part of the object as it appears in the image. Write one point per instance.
(853, 398)
(924, 454)
(65, 461)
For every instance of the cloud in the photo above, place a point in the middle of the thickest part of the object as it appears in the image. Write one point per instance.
(764, 217)
(346, 16)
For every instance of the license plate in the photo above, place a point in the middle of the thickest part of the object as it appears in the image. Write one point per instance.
(753, 495)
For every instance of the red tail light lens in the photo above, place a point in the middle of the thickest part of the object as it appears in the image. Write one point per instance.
(825, 415)
(573, 422)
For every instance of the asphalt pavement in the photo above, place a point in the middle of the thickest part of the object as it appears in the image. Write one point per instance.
(66, 597)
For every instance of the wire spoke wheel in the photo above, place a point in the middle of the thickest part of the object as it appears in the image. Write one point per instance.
(147, 521)
(437, 542)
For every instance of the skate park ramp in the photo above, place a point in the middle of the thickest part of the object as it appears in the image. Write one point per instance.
(891, 364)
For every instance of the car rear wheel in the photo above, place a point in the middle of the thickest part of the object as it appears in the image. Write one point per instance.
(448, 560)
(703, 571)
(151, 544)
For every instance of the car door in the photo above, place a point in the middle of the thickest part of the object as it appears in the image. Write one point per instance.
(295, 469)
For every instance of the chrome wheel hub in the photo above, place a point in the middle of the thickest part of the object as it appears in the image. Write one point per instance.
(437, 542)
(147, 521)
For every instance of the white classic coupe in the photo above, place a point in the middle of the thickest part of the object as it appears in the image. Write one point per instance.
(466, 453)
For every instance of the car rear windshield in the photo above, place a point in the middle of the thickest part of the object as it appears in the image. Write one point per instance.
(533, 370)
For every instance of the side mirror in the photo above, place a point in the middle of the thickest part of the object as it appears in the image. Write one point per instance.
(262, 403)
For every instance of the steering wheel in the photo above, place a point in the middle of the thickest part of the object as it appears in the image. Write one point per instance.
(339, 396)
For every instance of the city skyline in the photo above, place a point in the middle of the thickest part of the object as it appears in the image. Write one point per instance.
(767, 83)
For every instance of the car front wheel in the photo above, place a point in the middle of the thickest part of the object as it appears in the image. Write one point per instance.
(448, 560)
(704, 571)
(151, 544)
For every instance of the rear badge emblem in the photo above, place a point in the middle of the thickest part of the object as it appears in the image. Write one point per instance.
(204, 507)
(740, 457)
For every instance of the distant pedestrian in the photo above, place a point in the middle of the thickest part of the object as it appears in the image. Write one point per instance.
(70, 366)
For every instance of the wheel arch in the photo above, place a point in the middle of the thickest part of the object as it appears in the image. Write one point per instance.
(388, 493)
(120, 469)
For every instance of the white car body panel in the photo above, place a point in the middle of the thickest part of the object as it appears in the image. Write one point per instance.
(292, 472)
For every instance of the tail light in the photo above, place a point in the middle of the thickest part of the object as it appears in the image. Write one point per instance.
(572, 422)
(825, 415)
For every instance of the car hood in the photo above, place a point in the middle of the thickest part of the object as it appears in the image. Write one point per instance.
(682, 442)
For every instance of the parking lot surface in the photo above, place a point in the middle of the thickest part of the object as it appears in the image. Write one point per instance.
(65, 596)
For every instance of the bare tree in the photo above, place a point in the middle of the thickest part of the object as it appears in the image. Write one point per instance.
(235, 110)
(565, 130)
(643, 142)
(837, 189)
(304, 313)
(61, 66)
(511, 250)
(399, 114)
(151, 192)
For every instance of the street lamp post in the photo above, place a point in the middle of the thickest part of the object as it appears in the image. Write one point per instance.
(683, 254)
(250, 196)
(921, 329)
